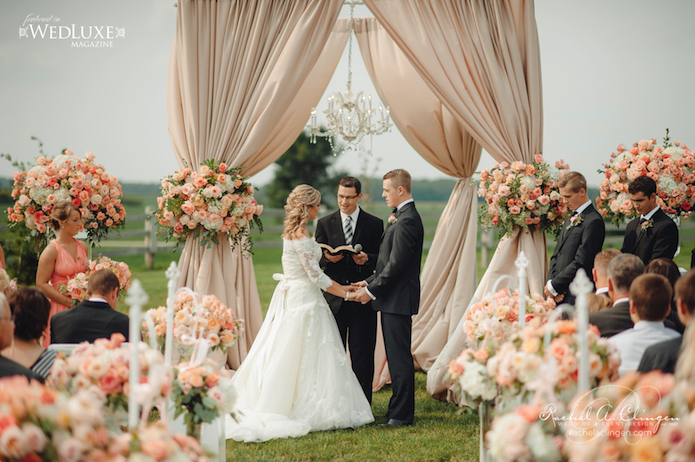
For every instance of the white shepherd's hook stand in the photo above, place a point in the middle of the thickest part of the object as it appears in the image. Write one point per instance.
(136, 298)
(521, 264)
(581, 287)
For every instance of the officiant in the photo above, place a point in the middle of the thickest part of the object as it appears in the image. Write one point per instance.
(350, 225)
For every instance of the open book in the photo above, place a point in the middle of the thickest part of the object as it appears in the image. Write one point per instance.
(339, 249)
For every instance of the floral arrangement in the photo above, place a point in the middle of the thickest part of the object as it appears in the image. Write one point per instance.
(196, 317)
(525, 434)
(38, 423)
(203, 392)
(76, 287)
(496, 317)
(514, 370)
(67, 177)
(524, 195)
(215, 200)
(644, 417)
(671, 166)
(104, 365)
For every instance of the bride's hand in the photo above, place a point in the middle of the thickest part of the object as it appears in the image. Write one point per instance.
(359, 284)
(350, 288)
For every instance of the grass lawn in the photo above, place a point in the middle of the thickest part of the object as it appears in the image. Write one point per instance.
(440, 433)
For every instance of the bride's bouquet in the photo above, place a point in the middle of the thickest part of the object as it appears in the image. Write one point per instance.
(672, 166)
(524, 195)
(212, 201)
(67, 177)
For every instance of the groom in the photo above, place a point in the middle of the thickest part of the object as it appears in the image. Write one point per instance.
(394, 290)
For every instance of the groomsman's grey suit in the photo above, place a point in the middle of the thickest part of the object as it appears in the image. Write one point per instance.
(577, 246)
(396, 286)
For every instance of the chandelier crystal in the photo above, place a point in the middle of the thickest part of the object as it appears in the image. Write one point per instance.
(350, 116)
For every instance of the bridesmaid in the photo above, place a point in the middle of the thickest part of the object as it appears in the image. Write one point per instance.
(63, 257)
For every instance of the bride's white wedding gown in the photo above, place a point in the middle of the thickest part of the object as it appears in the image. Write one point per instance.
(297, 377)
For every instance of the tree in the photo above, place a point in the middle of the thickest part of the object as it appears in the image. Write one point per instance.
(304, 163)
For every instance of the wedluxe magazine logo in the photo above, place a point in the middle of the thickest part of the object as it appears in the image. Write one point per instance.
(37, 27)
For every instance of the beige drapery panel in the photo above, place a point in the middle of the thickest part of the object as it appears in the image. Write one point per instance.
(231, 97)
(482, 60)
(448, 279)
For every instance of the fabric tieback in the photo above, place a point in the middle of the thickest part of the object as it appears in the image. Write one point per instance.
(348, 230)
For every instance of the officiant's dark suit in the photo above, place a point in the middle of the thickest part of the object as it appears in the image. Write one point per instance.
(359, 320)
(657, 241)
(576, 248)
(396, 288)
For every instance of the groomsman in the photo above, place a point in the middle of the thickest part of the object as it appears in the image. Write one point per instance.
(357, 323)
(395, 291)
(580, 239)
(653, 234)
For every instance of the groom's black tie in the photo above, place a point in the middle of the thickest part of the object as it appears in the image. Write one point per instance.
(394, 210)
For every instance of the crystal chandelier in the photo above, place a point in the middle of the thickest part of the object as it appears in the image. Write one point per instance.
(349, 116)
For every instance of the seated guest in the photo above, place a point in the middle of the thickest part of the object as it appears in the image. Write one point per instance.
(600, 300)
(9, 368)
(663, 356)
(95, 317)
(650, 302)
(30, 309)
(668, 268)
(622, 270)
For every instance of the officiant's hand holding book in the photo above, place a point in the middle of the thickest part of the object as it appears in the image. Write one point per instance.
(340, 250)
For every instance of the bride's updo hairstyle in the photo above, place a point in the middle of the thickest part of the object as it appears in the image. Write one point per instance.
(297, 209)
(61, 212)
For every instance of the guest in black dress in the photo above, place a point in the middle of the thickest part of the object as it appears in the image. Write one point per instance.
(30, 309)
(9, 368)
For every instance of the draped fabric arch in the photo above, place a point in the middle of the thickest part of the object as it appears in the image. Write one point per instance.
(481, 58)
(231, 98)
(448, 279)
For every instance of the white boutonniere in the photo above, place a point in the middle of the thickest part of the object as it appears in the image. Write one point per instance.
(392, 219)
(647, 224)
(576, 220)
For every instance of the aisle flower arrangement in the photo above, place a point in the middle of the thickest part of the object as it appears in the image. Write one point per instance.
(638, 418)
(496, 318)
(213, 201)
(38, 423)
(104, 366)
(672, 166)
(524, 195)
(196, 316)
(514, 370)
(76, 287)
(203, 392)
(67, 177)
(526, 433)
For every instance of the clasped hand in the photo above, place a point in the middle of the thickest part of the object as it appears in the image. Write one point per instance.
(361, 294)
(558, 298)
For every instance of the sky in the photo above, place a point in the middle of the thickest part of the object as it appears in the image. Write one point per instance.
(613, 72)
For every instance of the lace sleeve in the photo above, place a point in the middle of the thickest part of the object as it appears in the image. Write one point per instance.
(307, 256)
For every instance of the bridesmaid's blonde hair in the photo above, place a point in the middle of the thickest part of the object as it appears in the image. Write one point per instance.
(61, 212)
(297, 209)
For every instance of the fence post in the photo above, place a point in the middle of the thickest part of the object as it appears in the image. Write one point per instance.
(150, 239)
(484, 248)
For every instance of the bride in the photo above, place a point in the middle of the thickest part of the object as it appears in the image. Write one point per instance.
(296, 377)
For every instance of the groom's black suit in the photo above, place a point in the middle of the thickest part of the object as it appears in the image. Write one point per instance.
(396, 286)
(577, 246)
(359, 319)
(659, 240)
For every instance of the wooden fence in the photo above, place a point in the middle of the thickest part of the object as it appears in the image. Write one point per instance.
(145, 242)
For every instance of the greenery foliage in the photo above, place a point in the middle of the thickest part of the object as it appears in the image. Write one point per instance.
(304, 163)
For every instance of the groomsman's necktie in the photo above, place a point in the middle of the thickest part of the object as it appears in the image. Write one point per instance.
(348, 230)
(642, 220)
